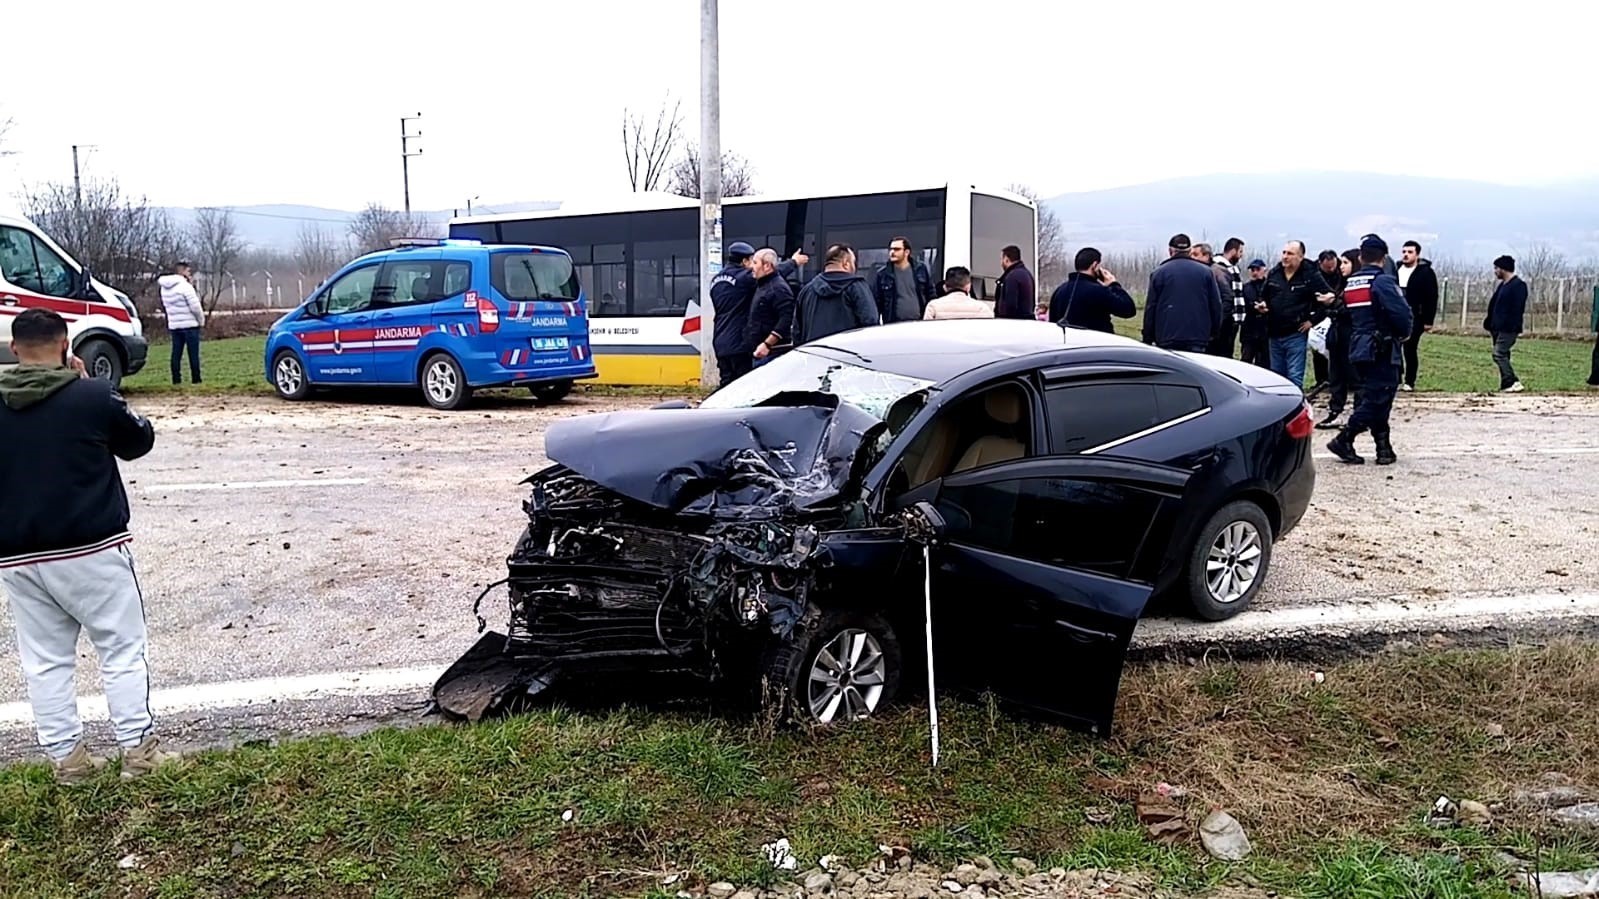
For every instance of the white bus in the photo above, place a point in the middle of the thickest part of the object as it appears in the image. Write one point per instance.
(639, 260)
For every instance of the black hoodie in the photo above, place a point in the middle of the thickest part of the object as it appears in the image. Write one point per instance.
(833, 302)
(59, 482)
(1421, 292)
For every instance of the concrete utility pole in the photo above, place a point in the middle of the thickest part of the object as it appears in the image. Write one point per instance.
(710, 186)
(406, 154)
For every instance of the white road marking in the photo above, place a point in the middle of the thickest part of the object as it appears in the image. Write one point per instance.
(1394, 615)
(1466, 451)
(256, 485)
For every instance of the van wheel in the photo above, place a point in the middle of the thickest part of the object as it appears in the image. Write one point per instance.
(288, 376)
(1229, 561)
(838, 667)
(553, 392)
(443, 383)
(100, 359)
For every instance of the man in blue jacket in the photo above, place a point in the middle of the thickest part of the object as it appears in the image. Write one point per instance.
(732, 294)
(903, 287)
(1379, 322)
(1506, 314)
(1090, 296)
(1183, 309)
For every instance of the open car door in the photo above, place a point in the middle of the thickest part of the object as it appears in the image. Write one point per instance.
(1041, 572)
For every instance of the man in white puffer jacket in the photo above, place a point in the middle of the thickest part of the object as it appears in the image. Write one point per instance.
(185, 318)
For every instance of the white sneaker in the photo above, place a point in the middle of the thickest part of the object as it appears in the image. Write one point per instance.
(1406, 388)
(1515, 388)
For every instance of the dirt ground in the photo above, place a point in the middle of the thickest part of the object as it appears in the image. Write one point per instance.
(409, 513)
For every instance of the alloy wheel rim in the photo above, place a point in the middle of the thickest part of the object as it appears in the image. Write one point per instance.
(289, 375)
(441, 382)
(847, 677)
(1233, 564)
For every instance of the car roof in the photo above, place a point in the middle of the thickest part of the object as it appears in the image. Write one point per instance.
(940, 351)
(457, 249)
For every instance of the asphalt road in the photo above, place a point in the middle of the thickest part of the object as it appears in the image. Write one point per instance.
(280, 539)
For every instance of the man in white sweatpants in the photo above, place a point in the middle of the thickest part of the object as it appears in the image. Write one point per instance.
(65, 565)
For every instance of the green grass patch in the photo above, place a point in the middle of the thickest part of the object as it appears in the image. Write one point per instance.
(1332, 781)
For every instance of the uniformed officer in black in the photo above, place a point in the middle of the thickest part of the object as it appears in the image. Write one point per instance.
(732, 295)
(1379, 321)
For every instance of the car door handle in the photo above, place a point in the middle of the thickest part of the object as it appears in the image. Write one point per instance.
(1084, 634)
(9, 300)
(385, 316)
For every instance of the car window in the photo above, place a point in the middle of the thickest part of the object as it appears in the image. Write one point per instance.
(1085, 416)
(351, 293)
(534, 276)
(1073, 523)
(31, 265)
(405, 283)
(990, 426)
(457, 279)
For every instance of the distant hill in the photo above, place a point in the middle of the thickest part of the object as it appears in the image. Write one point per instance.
(1462, 220)
(277, 226)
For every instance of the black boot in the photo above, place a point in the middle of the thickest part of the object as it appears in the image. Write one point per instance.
(1331, 421)
(1343, 446)
(1385, 451)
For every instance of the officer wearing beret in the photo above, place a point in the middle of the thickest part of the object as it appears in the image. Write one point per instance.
(1379, 321)
(732, 295)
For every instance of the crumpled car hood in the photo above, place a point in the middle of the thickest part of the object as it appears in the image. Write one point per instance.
(792, 453)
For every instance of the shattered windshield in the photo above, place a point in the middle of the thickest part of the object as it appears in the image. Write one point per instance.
(874, 391)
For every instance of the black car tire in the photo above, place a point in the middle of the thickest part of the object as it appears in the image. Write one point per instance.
(443, 382)
(101, 361)
(550, 392)
(1250, 531)
(288, 371)
(786, 686)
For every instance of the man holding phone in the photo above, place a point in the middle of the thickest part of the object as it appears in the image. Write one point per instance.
(64, 560)
(1090, 296)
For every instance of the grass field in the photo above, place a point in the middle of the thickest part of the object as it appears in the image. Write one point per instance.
(1332, 781)
(1450, 363)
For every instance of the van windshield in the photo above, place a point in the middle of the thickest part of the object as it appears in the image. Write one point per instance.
(534, 276)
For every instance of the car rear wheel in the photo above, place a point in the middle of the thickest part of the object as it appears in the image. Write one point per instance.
(101, 361)
(1229, 561)
(288, 376)
(552, 392)
(844, 667)
(443, 383)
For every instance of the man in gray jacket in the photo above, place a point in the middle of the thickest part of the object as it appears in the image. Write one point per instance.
(185, 318)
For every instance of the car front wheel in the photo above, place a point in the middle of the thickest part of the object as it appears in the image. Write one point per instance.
(288, 376)
(1229, 561)
(101, 361)
(843, 667)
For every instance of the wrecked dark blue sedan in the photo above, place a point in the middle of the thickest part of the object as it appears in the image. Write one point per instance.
(773, 538)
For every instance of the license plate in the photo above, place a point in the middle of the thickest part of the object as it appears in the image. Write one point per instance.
(549, 344)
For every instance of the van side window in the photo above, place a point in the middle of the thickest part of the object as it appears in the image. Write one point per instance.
(30, 265)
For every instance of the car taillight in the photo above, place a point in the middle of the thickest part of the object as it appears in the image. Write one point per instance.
(1302, 425)
(488, 315)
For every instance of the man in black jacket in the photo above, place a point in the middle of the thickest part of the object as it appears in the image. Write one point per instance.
(903, 286)
(1293, 296)
(1016, 293)
(1419, 283)
(1507, 311)
(834, 301)
(64, 559)
(1090, 296)
(1254, 346)
(772, 314)
(732, 292)
(1183, 309)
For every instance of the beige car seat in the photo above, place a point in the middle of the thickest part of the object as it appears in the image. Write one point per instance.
(1003, 406)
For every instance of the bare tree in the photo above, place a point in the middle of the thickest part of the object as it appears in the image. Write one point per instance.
(317, 252)
(123, 240)
(5, 126)
(377, 225)
(1054, 260)
(217, 246)
(648, 154)
(738, 176)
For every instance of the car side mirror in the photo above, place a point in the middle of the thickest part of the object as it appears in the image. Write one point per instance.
(85, 286)
(924, 524)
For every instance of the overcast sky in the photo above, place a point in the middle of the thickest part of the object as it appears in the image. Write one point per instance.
(300, 101)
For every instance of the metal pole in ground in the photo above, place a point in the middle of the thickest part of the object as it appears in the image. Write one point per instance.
(1560, 308)
(710, 185)
(1465, 300)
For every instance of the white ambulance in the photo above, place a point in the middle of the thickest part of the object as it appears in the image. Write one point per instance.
(102, 323)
